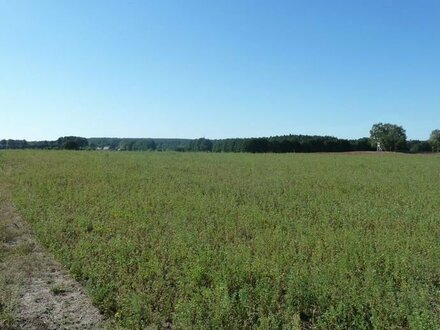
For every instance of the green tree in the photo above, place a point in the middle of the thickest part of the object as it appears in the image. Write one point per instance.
(71, 145)
(144, 144)
(126, 144)
(201, 144)
(434, 140)
(257, 145)
(415, 146)
(72, 142)
(391, 137)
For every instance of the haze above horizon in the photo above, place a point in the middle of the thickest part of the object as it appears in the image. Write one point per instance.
(217, 69)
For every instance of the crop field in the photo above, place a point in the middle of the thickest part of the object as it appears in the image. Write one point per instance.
(236, 241)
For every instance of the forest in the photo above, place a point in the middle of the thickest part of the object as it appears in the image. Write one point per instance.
(275, 144)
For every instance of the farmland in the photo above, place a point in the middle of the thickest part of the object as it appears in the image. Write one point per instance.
(204, 240)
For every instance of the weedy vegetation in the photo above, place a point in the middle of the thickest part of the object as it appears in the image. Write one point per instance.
(236, 241)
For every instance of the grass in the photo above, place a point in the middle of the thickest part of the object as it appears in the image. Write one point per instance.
(240, 240)
(58, 289)
(7, 298)
(8, 287)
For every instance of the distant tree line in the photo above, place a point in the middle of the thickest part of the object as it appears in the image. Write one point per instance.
(140, 144)
(66, 142)
(137, 145)
(388, 137)
(291, 143)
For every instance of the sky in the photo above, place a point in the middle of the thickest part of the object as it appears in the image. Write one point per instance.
(217, 69)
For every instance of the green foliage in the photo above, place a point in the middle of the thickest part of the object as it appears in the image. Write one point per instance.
(291, 143)
(58, 290)
(434, 140)
(256, 145)
(416, 146)
(137, 145)
(201, 144)
(153, 144)
(72, 142)
(391, 137)
(242, 241)
(144, 145)
(274, 144)
(13, 144)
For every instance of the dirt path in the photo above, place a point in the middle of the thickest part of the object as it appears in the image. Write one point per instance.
(35, 291)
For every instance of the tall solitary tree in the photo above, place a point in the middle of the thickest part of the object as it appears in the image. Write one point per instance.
(391, 137)
(434, 140)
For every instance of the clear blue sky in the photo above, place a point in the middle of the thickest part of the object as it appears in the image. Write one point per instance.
(217, 68)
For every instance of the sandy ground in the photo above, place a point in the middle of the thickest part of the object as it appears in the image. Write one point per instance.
(35, 289)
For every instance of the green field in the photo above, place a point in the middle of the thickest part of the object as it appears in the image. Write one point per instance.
(201, 240)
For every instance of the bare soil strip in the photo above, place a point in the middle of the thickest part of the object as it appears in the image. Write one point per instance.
(36, 292)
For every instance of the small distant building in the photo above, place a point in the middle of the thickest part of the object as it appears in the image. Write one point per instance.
(106, 148)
